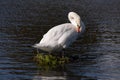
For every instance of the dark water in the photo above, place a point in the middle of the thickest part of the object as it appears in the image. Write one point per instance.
(23, 22)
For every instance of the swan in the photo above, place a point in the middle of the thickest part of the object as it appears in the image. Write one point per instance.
(61, 36)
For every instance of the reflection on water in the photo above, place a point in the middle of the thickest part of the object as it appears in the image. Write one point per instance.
(22, 23)
(50, 75)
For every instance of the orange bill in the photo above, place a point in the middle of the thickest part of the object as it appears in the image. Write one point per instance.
(78, 29)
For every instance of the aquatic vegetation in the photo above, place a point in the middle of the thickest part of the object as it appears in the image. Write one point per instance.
(48, 61)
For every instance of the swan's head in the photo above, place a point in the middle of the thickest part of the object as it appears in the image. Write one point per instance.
(75, 20)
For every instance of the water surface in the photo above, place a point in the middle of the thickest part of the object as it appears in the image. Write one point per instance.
(22, 24)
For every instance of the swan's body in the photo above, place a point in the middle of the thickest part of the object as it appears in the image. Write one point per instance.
(61, 36)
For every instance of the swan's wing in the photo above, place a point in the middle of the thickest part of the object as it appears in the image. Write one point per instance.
(58, 37)
(55, 33)
(67, 38)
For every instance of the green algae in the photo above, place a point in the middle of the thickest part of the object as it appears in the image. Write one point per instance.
(48, 61)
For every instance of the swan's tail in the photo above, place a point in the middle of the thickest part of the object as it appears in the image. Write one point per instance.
(36, 46)
(43, 48)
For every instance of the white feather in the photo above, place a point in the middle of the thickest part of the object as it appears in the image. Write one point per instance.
(60, 36)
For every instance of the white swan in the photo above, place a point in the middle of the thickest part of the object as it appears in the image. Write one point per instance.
(61, 36)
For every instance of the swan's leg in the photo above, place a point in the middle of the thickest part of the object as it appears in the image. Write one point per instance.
(63, 53)
(37, 51)
(49, 53)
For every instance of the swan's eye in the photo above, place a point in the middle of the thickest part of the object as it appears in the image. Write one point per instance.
(72, 17)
